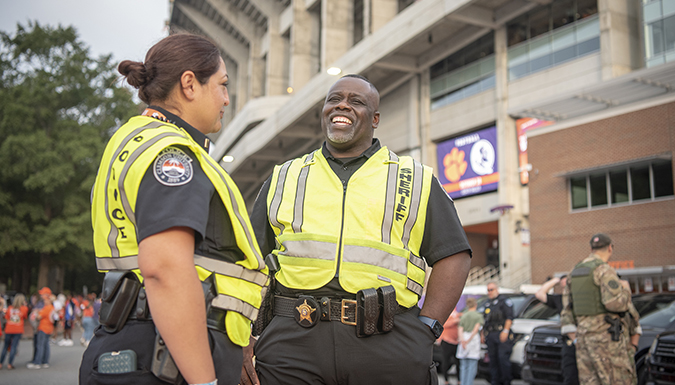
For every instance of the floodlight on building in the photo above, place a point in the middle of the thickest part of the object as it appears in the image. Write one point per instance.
(289, 90)
(228, 159)
(333, 71)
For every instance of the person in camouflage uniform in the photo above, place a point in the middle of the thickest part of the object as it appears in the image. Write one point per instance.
(594, 302)
(632, 332)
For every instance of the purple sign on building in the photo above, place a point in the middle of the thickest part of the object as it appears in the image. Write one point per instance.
(468, 164)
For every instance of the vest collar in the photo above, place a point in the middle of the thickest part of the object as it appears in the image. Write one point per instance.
(166, 116)
(375, 147)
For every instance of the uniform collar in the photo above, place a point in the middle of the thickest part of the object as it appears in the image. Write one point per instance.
(375, 147)
(166, 116)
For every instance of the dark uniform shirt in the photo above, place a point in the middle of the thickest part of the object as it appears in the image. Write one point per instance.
(497, 311)
(443, 232)
(195, 204)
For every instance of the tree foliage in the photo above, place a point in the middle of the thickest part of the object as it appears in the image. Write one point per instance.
(58, 107)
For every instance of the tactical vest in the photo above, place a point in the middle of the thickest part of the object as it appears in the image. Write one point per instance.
(367, 232)
(130, 152)
(586, 295)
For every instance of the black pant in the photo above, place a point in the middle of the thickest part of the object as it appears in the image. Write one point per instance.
(139, 336)
(449, 358)
(500, 358)
(569, 364)
(329, 353)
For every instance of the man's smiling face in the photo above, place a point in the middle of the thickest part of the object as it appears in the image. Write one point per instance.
(349, 116)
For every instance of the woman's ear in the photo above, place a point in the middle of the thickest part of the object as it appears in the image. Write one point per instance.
(188, 83)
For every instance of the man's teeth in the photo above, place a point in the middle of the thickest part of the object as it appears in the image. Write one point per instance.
(341, 119)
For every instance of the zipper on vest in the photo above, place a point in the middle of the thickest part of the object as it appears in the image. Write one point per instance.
(342, 227)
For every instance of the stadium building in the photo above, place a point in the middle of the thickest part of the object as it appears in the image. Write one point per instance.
(546, 121)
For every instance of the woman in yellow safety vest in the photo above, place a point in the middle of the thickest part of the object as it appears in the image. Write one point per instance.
(171, 231)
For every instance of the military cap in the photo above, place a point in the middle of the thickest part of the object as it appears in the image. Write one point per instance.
(600, 240)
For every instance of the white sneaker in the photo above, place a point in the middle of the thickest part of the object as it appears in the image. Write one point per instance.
(33, 366)
(68, 343)
(45, 366)
(62, 342)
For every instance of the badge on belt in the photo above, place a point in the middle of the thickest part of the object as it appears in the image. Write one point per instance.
(305, 312)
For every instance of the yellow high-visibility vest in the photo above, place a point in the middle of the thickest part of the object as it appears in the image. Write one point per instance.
(130, 152)
(368, 232)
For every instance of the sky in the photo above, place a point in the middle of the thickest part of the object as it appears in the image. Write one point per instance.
(125, 28)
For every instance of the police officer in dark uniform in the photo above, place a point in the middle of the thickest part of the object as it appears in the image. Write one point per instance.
(497, 335)
(184, 275)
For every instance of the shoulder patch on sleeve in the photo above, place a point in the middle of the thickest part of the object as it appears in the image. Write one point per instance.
(508, 302)
(173, 167)
(613, 284)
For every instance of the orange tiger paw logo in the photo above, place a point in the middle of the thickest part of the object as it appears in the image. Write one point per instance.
(455, 165)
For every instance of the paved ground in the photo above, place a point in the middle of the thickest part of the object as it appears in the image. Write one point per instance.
(65, 363)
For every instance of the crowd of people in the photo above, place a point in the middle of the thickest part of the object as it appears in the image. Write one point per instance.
(48, 319)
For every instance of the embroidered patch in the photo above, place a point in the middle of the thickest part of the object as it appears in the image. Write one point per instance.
(173, 167)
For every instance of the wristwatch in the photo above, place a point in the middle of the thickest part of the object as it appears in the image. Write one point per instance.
(433, 324)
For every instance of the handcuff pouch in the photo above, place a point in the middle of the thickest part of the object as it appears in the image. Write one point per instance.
(120, 290)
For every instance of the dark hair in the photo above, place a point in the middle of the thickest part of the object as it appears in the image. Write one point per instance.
(166, 62)
(357, 76)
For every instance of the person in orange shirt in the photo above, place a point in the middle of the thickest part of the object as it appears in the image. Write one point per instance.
(15, 316)
(448, 341)
(45, 329)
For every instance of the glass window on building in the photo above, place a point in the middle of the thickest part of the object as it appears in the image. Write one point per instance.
(467, 72)
(643, 182)
(552, 34)
(659, 27)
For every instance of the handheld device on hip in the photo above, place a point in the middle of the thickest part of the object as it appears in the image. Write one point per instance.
(123, 361)
(163, 365)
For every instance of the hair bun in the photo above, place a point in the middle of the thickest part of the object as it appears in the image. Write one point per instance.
(135, 72)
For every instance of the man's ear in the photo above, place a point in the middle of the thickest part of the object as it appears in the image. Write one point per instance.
(376, 119)
(188, 83)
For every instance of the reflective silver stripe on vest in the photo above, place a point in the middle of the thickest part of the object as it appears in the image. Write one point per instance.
(226, 302)
(389, 203)
(375, 257)
(117, 263)
(414, 287)
(112, 236)
(417, 261)
(129, 162)
(278, 194)
(299, 204)
(309, 249)
(415, 197)
(230, 269)
(237, 213)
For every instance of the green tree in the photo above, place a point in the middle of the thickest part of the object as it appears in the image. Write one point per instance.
(58, 107)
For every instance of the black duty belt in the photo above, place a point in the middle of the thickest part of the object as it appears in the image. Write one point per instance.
(372, 311)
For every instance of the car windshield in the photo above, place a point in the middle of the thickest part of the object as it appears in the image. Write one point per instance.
(647, 303)
(661, 318)
(541, 311)
(518, 301)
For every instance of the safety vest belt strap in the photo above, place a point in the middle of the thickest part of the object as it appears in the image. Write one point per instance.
(375, 257)
(229, 303)
(414, 287)
(231, 270)
(220, 267)
(117, 263)
(309, 249)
